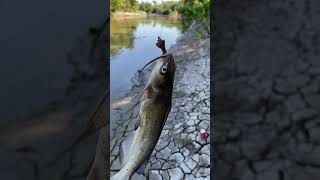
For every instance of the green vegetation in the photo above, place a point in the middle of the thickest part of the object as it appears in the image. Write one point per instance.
(188, 10)
(124, 5)
(165, 8)
(194, 10)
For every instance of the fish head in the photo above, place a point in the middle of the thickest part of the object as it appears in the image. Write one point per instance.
(163, 71)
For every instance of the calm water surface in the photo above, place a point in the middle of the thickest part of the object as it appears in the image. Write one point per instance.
(132, 42)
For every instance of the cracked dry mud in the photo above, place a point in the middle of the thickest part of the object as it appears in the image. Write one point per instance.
(179, 153)
(267, 98)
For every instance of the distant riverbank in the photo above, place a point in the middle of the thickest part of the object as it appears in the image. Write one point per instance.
(143, 14)
(128, 14)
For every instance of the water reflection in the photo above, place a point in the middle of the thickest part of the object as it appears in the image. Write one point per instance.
(122, 30)
(132, 45)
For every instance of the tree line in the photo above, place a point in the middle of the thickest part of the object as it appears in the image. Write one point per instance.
(124, 5)
(189, 10)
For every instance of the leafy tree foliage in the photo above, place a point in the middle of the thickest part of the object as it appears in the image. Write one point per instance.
(124, 5)
(164, 8)
(191, 10)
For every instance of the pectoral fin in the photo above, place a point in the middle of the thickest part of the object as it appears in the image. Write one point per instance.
(137, 124)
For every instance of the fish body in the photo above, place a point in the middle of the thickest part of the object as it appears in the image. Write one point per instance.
(154, 110)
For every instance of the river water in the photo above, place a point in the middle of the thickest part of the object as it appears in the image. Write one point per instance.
(132, 43)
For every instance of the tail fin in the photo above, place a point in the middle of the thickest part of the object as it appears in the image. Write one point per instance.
(124, 155)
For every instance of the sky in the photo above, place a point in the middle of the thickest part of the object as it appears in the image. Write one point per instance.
(158, 1)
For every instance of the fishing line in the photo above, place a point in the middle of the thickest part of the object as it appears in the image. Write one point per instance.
(140, 71)
(161, 17)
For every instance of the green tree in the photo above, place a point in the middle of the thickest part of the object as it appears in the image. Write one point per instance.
(194, 10)
(124, 5)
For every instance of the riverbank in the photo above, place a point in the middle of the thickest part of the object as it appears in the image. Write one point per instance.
(179, 154)
(128, 14)
(171, 15)
(120, 14)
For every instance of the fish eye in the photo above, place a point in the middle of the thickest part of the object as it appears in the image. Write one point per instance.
(163, 69)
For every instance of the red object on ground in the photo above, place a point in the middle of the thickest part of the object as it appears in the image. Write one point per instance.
(203, 134)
